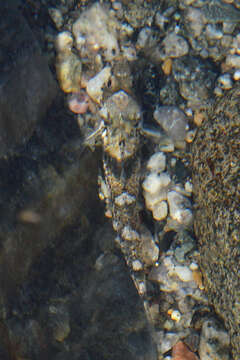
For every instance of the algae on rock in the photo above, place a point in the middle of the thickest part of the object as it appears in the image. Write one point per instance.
(216, 168)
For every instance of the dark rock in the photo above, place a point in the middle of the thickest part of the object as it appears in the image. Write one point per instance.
(27, 87)
(216, 169)
(44, 204)
(79, 303)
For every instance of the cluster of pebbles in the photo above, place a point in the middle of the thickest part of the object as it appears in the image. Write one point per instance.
(195, 49)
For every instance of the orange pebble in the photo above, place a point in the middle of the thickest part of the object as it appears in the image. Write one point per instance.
(167, 66)
(181, 352)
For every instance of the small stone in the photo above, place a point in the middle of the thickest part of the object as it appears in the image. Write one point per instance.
(214, 341)
(193, 266)
(160, 211)
(100, 30)
(195, 20)
(124, 199)
(181, 352)
(64, 42)
(225, 81)
(56, 17)
(149, 249)
(167, 66)
(212, 33)
(178, 210)
(96, 84)
(157, 162)
(236, 75)
(175, 45)
(174, 122)
(154, 182)
(137, 265)
(198, 118)
(143, 37)
(232, 61)
(165, 341)
(184, 273)
(188, 187)
(152, 200)
(69, 70)
(175, 315)
(198, 278)
(129, 234)
(190, 136)
(166, 145)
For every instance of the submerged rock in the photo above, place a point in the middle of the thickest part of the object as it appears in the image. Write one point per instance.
(27, 87)
(216, 170)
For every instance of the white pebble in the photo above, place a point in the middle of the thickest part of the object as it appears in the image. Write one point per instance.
(176, 316)
(154, 182)
(236, 75)
(184, 273)
(178, 208)
(152, 200)
(137, 265)
(188, 187)
(96, 84)
(233, 61)
(193, 266)
(160, 211)
(129, 234)
(64, 41)
(157, 162)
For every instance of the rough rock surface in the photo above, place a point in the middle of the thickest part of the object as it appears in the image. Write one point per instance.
(27, 87)
(216, 170)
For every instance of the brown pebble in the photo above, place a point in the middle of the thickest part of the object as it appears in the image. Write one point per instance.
(181, 352)
(197, 277)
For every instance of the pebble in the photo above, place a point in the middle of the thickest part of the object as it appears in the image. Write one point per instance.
(174, 122)
(160, 210)
(157, 162)
(175, 46)
(154, 182)
(56, 17)
(179, 208)
(214, 341)
(212, 33)
(96, 84)
(225, 81)
(181, 352)
(232, 61)
(236, 75)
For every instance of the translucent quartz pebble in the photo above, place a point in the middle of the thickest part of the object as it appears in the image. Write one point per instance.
(153, 200)
(184, 273)
(179, 208)
(64, 42)
(96, 84)
(157, 162)
(154, 182)
(149, 250)
(175, 45)
(160, 210)
(99, 29)
(174, 122)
